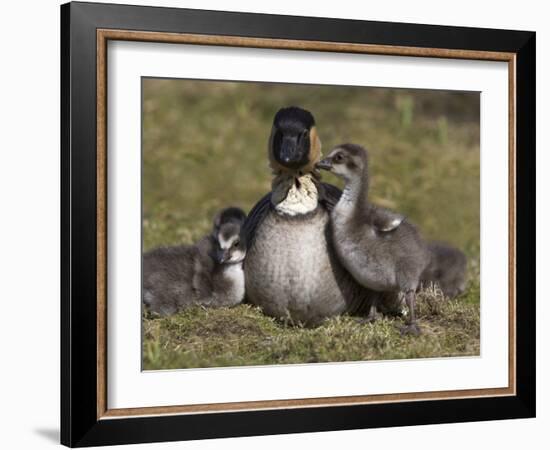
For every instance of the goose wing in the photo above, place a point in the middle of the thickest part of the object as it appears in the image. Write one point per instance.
(328, 195)
(255, 217)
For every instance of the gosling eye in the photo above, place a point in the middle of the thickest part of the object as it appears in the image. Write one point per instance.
(338, 158)
(236, 243)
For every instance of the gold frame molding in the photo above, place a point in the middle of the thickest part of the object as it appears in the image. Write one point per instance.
(103, 36)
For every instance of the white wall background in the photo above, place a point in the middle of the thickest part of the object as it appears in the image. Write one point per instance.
(29, 223)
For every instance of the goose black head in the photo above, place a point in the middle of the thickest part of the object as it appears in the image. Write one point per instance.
(294, 145)
(347, 161)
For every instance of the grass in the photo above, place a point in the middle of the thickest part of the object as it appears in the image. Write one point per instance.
(201, 337)
(205, 147)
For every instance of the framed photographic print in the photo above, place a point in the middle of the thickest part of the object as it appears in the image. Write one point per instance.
(276, 224)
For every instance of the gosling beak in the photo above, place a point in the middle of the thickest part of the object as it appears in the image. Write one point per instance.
(221, 256)
(324, 164)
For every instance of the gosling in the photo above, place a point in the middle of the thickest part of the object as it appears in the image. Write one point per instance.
(447, 269)
(378, 247)
(209, 273)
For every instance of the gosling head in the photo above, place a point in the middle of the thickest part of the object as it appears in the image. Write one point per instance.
(347, 161)
(230, 244)
(294, 146)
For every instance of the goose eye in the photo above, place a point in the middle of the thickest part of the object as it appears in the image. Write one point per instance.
(236, 243)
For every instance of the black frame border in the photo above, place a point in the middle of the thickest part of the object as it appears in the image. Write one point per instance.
(79, 423)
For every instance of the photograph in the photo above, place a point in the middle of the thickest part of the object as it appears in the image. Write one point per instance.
(298, 223)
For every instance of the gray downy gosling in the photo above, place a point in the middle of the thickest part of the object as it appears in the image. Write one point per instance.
(447, 269)
(381, 250)
(209, 273)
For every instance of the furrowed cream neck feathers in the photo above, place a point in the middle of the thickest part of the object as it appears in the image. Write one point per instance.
(294, 195)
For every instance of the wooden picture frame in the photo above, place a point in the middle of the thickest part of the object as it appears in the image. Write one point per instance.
(85, 417)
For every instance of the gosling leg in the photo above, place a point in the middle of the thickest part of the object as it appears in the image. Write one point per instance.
(412, 327)
(372, 316)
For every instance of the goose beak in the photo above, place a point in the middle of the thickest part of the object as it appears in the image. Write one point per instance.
(324, 164)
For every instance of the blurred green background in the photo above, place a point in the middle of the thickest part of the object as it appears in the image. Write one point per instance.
(205, 148)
